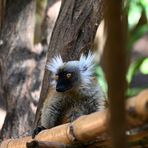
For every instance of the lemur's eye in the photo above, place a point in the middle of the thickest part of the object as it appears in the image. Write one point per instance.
(68, 75)
(56, 77)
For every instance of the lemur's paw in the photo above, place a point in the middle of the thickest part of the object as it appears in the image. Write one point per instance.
(37, 130)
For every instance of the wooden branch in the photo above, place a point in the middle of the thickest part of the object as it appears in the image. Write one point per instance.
(88, 127)
(105, 141)
(45, 144)
(137, 108)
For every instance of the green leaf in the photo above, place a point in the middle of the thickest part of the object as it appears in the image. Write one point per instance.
(134, 14)
(144, 67)
(138, 33)
(134, 67)
(101, 78)
(133, 91)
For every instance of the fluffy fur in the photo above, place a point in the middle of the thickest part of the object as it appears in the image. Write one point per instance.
(85, 66)
(55, 64)
(84, 97)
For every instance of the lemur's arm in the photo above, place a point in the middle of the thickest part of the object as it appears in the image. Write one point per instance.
(50, 113)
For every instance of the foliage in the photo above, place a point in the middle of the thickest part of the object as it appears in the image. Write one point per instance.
(137, 16)
(133, 69)
(101, 78)
(137, 11)
(144, 67)
(137, 27)
(138, 66)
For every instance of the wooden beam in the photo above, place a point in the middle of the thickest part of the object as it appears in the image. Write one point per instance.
(88, 127)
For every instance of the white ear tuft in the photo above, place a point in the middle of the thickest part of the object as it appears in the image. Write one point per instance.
(86, 65)
(55, 63)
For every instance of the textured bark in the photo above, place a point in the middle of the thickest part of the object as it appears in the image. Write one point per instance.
(46, 144)
(41, 48)
(2, 7)
(73, 34)
(17, 62)
(49, 20)
(2, 12)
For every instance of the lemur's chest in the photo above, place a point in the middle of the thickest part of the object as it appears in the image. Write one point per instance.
(77, 109)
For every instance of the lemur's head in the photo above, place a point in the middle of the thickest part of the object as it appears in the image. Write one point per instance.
(71, 74)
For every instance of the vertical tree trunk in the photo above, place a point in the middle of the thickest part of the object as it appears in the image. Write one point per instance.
(2, 12)
(52, 11)
(17, 62)
(115, 66)
(73, 34)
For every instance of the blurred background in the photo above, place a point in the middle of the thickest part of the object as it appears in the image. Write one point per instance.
(136, 14)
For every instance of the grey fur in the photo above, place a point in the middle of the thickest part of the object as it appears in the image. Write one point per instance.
(72, 104)
(82, 94)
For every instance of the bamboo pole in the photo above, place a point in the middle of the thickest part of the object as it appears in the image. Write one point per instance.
(88, 127)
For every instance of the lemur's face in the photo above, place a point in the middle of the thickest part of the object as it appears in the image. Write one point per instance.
(71, 74)
(67, 78)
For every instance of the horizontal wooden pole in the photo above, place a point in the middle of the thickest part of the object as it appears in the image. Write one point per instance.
(88, 127)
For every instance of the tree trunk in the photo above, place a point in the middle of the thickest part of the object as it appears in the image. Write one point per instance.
(52, 11)
(73, 34)
(115, 70)
(17, 62)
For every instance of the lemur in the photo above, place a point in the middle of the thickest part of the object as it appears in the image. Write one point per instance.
(74, 92)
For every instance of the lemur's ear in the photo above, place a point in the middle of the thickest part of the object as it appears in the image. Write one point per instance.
(86, 65)
(54, 64)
